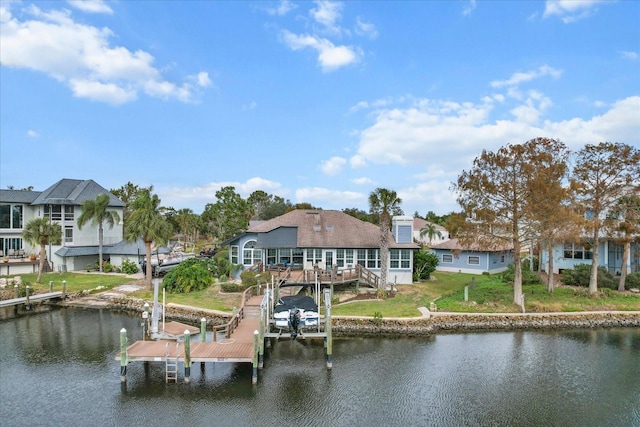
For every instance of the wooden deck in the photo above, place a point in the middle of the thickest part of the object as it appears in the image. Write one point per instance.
(237, 348)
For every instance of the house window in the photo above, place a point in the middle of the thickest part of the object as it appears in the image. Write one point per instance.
(68, 234)
(447, 258)
(473, 260)
(272, 256)
(11, 216)
(251, 255)
(372, 258)
(234, 254)
(314, 256)
(68, 213)
(574, 251)
(502, 259)
(54, 212)
(344, 257)
(399, 258)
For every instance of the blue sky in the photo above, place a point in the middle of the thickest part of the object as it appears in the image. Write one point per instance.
(317, 102)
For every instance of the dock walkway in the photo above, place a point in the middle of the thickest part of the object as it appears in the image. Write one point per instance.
(32, 298)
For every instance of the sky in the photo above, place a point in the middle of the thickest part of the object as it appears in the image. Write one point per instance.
(316, 102)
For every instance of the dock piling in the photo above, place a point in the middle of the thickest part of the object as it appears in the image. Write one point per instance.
(64, 289)
(203, 330)
(187, 357)
(123, 355)
(327, 327)
(254, 376)
(50, 285)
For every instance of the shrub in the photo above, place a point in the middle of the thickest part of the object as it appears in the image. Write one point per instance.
(251, 278)
(528, 277)
(190, 275)
(424, 263)
(377, 318)
(129, 267)
(581, 274)
(231, 287)
(632, 281)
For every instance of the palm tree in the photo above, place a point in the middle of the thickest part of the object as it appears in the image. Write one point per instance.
(186, 220)
(384, 203)
(96, 211)
(41, 231)
(145, 222)
(430, 231)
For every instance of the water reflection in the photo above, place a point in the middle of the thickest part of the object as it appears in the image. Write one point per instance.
(572, 378)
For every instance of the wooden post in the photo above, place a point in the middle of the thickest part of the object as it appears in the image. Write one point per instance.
(466, 293)
(261, 339)
(187, 357)
(64, 289)
(50, 285)
(145, 322)
(123, 355)
(327, 327)
(254, 376)
(27, 295)
(16, 291)
(203, 329)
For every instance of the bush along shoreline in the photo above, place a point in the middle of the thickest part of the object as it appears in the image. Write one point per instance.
(429, 324)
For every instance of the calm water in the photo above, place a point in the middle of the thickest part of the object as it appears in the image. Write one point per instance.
(58, 369)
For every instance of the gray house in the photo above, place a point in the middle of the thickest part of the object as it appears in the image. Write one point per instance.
(306, 239)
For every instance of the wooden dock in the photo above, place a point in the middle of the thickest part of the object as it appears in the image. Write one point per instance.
(32, 298)
(244, 341)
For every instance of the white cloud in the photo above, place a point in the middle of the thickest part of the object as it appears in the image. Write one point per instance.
(523, 77)
(330, 56)
(284, 7)
(570, 10)
(82, 57)
(327, 14)
(428, 193)
(91, 6)
(32, 133)
(469, 7)
(436, 133)
(318, 196)
(633, 56)
(357, 161)
(333, 166)
(203, 79)
(365, 29)
(363, 181)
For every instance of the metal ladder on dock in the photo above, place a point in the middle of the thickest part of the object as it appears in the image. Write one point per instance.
(171, 364)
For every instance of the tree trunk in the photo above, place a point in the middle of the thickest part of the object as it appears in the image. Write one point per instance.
(623, 272)
(593, 280)
(550, 269)
(41, 264)
(147, 247)
(517, 278)
(100, 240)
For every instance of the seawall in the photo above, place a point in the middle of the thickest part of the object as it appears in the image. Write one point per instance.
(428, 324)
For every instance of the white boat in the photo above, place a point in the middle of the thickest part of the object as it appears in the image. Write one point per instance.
(296, 313)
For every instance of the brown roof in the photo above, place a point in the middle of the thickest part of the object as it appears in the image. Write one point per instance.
(454, 245)
(328, 229)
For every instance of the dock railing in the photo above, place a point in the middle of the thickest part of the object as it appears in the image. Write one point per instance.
(232, 324)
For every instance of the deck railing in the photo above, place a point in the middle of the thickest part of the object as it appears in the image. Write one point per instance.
(232, 324)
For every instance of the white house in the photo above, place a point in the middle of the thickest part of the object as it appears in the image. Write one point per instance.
(62, 202)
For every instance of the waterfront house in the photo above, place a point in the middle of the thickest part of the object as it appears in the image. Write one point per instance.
(472, 258)
(62, 203)
(325, 239)
(441, 235)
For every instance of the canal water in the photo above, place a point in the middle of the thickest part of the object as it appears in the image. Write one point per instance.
(58, 368)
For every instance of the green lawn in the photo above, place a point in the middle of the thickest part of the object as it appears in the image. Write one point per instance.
(446, 290)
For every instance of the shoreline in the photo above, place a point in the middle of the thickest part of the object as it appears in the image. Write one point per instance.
(428, 324)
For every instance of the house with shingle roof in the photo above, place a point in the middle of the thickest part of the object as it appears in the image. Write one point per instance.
(473, 258)
(62, 203)
(304, 239)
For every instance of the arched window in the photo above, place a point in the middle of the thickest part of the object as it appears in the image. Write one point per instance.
(251, 255)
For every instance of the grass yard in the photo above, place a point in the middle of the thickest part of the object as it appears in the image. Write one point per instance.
(490, 295)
